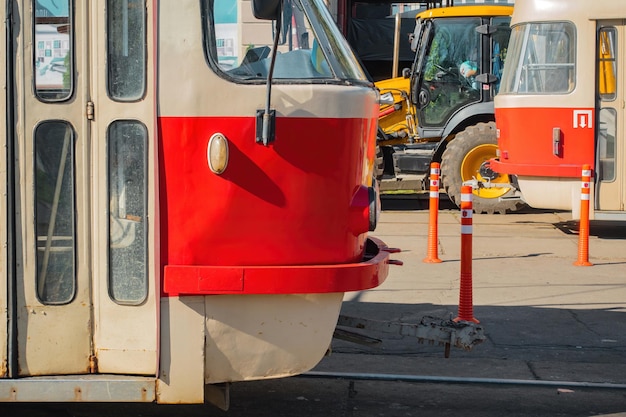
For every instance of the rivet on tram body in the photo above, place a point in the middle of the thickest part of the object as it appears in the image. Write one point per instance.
(217, 153)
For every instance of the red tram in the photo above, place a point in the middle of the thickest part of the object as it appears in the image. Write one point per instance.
(561, 105)
(188, 195)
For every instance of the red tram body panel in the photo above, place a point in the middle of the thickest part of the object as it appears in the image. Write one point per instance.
(273, 205)
(528, 146)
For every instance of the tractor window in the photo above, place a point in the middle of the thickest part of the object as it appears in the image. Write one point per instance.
(499, 47)
(541, 59)
(452, 60)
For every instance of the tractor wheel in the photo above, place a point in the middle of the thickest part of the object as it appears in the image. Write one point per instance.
(465, 158)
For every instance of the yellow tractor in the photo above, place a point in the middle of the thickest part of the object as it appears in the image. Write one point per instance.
(441, 109)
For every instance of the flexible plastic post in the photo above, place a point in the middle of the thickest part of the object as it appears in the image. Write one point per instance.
(466, 308)
(433, 218)
(583, 224)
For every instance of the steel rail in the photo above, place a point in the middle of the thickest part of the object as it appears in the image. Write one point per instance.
(355, 376)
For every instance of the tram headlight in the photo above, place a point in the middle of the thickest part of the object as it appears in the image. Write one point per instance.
(374, 206)
(217, 153)
(364, 210)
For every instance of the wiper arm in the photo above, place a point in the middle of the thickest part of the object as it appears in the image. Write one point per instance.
(266, 119)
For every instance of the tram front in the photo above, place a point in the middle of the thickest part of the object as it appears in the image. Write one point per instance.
(267, 132)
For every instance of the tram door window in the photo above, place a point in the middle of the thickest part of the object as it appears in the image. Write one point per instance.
(610, 147)
(126, 49)
(128, 281)
(53, 54)
(54, 212)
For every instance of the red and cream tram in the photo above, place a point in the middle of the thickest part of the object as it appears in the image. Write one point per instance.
(561, 105)
(186, 192)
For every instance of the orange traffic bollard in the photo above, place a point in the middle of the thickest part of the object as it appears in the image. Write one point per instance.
(433, 219)
(466, 308)
(583, 224)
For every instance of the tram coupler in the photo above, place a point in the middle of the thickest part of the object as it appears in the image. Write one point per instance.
(487, 184)
(476, 184)
(460, 334)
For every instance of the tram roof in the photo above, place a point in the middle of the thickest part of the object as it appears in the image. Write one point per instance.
(573, 10)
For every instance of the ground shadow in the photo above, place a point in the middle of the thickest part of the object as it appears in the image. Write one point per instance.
(599, 228)
(420, 201)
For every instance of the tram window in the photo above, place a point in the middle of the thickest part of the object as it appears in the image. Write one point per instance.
(54, 212)
(541, 59)
(244, 53)
(53, 59)
(607, 68)
(606, 144)
(127, 167)
(126, 49)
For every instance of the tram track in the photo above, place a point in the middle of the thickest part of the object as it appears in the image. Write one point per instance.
(427, 379)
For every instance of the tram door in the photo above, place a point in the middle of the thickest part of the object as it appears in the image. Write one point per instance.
(610, 141)
(85, 282)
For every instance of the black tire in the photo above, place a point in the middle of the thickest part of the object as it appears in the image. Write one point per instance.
(460, 163)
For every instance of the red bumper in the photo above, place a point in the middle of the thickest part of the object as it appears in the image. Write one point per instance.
(535, 170)
(289, 279)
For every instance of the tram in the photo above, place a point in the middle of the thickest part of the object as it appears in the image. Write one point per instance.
(561, 105)
(187, 195)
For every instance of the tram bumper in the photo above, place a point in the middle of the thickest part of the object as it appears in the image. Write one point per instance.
(372, 271)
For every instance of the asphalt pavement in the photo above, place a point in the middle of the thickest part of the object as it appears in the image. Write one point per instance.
(555, 332)
(546, 320)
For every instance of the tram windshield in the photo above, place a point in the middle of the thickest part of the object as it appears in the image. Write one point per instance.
(310, 46)
(541, 59)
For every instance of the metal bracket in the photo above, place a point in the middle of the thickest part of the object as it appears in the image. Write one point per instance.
(487, 184)
(486, 78)
(218, 395)
(486, 29)
(265, 127)
(460, 334)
